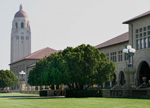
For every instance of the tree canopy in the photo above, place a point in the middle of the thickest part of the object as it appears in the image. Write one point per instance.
(75, 67)
(7, 79)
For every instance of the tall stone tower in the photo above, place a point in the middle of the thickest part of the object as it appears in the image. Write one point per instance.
(20, 36)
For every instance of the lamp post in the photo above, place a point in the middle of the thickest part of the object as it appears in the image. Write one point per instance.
(129, 51)
(22, 81)
(22, 73)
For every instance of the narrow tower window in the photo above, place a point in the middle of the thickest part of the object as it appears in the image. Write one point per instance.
(22, 25)
(16, 25)
(22, 37)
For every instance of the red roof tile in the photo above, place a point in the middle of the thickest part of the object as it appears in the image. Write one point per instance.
(119, 39)
(40, 54)
(137, 17)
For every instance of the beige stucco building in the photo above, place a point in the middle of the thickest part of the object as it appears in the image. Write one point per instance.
(139, 38)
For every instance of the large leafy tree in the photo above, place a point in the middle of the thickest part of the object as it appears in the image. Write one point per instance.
(7, 79)
(75, 67)
(87, 66)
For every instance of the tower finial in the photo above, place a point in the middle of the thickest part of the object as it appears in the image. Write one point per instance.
(21, 7)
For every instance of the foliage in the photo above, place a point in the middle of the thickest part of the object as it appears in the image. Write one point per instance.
(75, 67)
(35, 77)
(7, 79)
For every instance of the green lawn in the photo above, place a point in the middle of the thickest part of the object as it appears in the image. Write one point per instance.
(25, 101)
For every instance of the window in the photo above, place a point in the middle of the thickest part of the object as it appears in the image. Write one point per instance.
(148, 32)
(22, 25)
(144, 28)
(149, 42)
(141, 35)
(144, 33)
(145, 42)
(140, 29)
(148, 27)
(137, 36)
(16, 25)
(125, 57)
(137, 44)
(119, 56)
(27, 38)
(22, 37)
(113, 56)
(141, 43)
(17, 37)
(136, 30)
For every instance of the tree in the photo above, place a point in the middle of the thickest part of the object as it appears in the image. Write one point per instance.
(76, 67)
(35, 77)
(7, 79)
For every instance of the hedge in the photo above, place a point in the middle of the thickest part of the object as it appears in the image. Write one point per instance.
(83, 93)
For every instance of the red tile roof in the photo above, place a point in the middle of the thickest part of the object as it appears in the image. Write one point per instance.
(137, 17)
(40, 54)
(119, 39)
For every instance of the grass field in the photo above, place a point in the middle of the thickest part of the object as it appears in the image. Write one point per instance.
(16, 100)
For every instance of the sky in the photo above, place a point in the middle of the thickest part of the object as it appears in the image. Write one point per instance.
(61, 23)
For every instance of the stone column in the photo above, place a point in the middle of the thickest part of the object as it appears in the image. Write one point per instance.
(33, 87)
(104, 85)
(110, 83)
(29, 88)
(129, 77)
(62, 86)
(38, 88)
(44, 87)
(54, 87)
(22, 85)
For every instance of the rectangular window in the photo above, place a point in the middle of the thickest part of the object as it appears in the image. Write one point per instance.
(149, 42)
(149, 33)
(125, 57)
(141, 43)
(22, 37)
(145, 42)
(136, 30)
(144, 33)
(144, 28)
(17, 37)
(137, 36)
(148, 27)
(137, 44)
(141, 35)
(140, 29)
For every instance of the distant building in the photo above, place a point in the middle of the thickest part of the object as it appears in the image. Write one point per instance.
(21, 57)
(139, 38)
(20, 36)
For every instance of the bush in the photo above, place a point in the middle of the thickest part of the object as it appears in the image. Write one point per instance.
(43, 93)
(83, 93)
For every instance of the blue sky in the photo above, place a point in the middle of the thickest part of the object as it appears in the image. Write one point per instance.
(61, 23)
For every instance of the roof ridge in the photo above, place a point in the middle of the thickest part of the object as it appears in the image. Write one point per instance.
(112, 42)
(137, 17)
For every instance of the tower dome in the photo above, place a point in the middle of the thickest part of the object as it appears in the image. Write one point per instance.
(21, 13)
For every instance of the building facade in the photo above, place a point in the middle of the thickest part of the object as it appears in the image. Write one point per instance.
(20, 36)
(139, 38)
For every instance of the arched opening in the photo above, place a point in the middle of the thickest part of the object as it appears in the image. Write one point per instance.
(144, 71)
(121, 78)
(22, 25)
